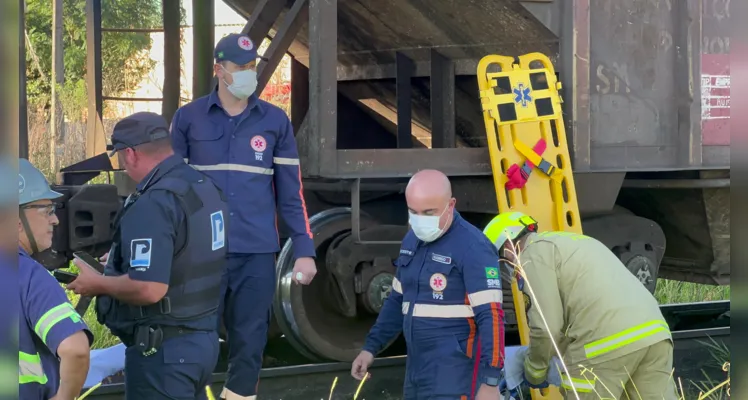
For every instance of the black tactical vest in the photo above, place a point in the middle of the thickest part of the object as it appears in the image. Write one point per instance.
(197, 266)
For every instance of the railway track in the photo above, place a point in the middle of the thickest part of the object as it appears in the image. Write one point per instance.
(693, 326)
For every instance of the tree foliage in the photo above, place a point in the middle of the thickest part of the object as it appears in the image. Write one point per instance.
(125, 59)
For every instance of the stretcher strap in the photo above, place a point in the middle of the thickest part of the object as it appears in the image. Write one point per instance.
(543, 165)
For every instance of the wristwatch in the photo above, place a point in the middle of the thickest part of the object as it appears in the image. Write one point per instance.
(492, 381)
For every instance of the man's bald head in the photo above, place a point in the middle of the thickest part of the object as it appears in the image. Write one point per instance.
(429, 193)
(429, 183)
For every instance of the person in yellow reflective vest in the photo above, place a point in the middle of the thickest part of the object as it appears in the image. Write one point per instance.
(609, 328)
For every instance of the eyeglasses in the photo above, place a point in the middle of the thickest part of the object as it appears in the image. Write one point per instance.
(49, 208)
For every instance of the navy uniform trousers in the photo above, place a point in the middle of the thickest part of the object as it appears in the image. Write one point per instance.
(179, 370)
(247, 297)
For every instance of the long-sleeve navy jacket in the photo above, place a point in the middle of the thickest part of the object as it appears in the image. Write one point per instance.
(445, 289)
(253, 158)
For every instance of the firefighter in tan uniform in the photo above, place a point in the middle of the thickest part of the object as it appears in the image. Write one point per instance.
(613, 337)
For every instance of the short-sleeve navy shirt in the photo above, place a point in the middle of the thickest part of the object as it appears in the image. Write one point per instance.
(47, 318)
(155, 224)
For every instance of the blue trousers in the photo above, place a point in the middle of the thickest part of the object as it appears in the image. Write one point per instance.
(180, 370)
(247, 297)
(440, 369)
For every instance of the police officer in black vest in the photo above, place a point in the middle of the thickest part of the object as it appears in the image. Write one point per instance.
(160, 290)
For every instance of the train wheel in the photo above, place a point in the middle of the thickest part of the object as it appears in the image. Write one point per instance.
(329, 319)
(638, 242)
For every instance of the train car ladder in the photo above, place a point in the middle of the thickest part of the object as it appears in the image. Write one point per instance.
(529, 153)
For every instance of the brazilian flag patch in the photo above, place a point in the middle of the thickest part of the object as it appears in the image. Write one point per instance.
(492, 273)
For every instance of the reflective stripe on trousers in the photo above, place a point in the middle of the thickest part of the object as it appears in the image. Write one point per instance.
(621, 339)
(30, 369)
(581, 385)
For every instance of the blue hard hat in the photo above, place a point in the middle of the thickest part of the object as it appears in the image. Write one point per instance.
(32, 185)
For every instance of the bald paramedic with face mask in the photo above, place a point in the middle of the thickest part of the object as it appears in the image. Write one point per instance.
(247, 146)
(446, 299)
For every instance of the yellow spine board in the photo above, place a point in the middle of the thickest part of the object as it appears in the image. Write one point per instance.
(521, 105)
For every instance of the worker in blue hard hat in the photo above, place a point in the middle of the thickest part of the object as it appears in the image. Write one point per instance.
(609, 327)
(54, 342)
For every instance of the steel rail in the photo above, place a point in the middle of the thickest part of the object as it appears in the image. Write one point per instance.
(692, 358)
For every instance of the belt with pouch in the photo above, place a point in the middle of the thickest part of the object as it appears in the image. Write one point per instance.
(148, 339)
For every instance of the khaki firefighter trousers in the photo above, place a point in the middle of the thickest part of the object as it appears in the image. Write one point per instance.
(645, 374)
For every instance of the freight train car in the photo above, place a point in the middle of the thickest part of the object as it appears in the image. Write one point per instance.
(384, 88)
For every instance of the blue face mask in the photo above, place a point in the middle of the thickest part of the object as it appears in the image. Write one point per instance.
(244, 85)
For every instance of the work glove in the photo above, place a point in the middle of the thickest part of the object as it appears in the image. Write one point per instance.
(513, 393)
(541, 385)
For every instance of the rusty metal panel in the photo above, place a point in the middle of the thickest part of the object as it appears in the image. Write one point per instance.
(323, 87)
(646, 88)
(633, 112)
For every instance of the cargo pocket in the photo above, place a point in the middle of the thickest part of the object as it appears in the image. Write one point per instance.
(454, 371)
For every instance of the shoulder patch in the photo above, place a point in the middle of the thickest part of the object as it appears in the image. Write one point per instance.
(218, 230)
(140, 253)
(406, 252)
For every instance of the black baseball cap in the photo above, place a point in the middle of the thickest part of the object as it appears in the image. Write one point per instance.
(137, 129)
(237, 48)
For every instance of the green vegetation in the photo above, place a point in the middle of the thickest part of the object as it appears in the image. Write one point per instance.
(671, 292)
(102, 337)
(124, 55)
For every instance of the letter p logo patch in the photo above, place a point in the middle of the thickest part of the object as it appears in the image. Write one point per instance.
(218, 228)
(140, 253)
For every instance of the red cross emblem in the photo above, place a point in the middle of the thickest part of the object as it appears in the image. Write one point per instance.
(438, 282)
(245, 43)
(258, 143)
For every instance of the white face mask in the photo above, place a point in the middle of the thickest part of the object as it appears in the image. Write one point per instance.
(245, 83)
(426, 227)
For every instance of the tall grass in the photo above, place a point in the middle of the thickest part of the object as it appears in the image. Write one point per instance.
(670, 292)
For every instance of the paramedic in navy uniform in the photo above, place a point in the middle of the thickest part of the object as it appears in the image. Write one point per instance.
(161, 286)
(247, 146)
